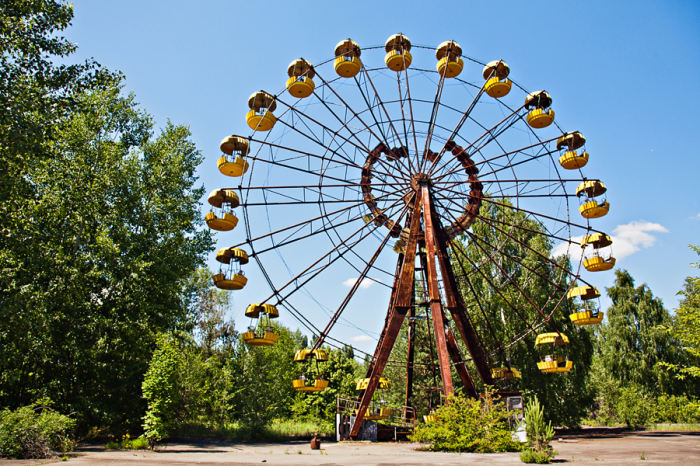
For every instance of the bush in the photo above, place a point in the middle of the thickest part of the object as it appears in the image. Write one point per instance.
(465, 424)
(140, 443)
(675, 410)
(633, 408)
(113, 445)
(35, 431)
(539, 435)
(534, 456)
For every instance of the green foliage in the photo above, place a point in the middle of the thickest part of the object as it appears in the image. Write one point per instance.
(686, 326)
(633, 407)
(99, 226)
(539, 432)
(631, 343)
(112, 445)
(501, 296)
(534, 456)
(467, 425)
(264, 380)
(160, 390)
(140, 443)
(34, 431)
(676, 410)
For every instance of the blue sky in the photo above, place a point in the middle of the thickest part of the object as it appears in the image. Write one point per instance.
(623, 73)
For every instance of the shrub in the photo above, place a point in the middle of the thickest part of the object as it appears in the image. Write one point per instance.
(675, 409)
(113, 445)
(34, 431)
(465, 424)
(534, 456)
(140, 443)
(633, 407)
(539, 435)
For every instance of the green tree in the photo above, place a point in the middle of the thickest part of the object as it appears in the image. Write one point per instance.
(631, 344)
(96, 265)
(263, 380)
(686, 326)
(160, 389)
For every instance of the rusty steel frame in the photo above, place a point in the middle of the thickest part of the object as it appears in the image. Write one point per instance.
(403, 302)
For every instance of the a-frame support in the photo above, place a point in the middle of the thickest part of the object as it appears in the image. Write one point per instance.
(403, 300)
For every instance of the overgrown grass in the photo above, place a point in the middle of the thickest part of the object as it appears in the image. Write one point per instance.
(279, 430)
(677, 427)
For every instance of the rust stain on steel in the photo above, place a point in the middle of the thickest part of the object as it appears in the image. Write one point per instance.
(434, 293)
(459, 315)
(456, 356)
(396, 318)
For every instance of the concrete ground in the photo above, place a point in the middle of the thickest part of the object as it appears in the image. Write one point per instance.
(589, 446)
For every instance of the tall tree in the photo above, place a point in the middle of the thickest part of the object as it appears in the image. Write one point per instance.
(686, 326)
(632, 343)
(106, 236)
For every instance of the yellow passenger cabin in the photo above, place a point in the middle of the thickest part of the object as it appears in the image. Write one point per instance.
(590, 316)
(505, 373)
(496, 75)
(300, 83)
(553, 354)
(235, 149)
(231, 277)
(568, 146)
(221, 217)
(347, 62)
(540, 114)
(591, 200)
(450, 63)
(376, 411)
(600, 257)
(398, 56)
(260, 117)
(261, 332)
(316, 381)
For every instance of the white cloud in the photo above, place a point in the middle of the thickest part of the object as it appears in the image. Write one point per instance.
(630, 238)
(362, 338)
(627, 239)
(695, 217)
(364, 284)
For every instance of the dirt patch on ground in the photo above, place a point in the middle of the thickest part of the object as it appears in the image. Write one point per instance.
(586, 446)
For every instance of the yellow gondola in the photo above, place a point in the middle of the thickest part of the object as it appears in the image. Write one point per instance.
(398, 56)
(232, 278)
(592, 205)
(598, 260)
(347, 63)
(568, 146)
(318, 382)
(233, 163)
(540, 115)
(262, 333)
(300, 83)
(505, 373)
(587, 316)
(221, 217)
(449, 62)
(375, 412)
(496, 75)
(554, 360)
(260, 117)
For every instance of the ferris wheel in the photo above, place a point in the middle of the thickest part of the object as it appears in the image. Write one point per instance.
(418, 169)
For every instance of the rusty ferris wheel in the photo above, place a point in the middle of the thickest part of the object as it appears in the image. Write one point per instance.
(375, 162)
